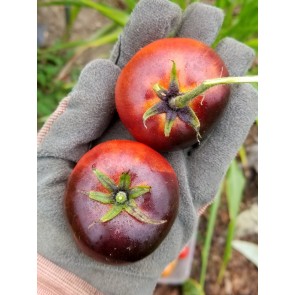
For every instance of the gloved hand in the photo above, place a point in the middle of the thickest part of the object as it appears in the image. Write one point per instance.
(87, 115)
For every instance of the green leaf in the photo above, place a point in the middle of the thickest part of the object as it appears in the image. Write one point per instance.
(101, 197)
(111, 37)
(249, 250)
(209, 234)
(130, 4)
(125, 181)
(181, 3)
(74, 12)
(228, 249)
(71, 16)
(118, 16)
(243, 155)
(241, 20)
(112, 213)
(42, 120)
(41, 78)
(192, 287)
(106, 34)
(105, 180)
(235, 184)
(134, 211)
(221, 3)
(253, 43)
(138, 191)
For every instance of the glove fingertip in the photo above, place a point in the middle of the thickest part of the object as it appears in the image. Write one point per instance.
(237, 56)
(247, 96)
(89, 111)
(201, 22)
(151, 20)
(91, 79)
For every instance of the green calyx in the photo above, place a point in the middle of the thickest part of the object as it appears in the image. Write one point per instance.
(172, 111)
(175, 104)
(121, 197)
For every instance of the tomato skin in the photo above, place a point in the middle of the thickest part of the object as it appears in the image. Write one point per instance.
(195, 62)
(122, 239)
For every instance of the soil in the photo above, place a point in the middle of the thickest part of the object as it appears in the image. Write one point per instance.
(241, 276)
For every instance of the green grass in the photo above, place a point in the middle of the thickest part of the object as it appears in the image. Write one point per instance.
(209, 234)
(118, 16)
(50, 90)
(234, 186)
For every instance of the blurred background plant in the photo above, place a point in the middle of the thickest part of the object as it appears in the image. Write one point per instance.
(73, 32)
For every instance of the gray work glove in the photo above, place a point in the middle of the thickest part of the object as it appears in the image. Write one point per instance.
(86, 115)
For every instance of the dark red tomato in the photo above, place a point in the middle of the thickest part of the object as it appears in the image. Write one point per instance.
(152, 65)
(121, 200)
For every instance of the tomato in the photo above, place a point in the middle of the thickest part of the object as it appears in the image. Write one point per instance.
(159, 72)
(121, 200)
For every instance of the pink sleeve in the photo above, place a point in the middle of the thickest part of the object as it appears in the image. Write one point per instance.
(46, 127)
(53, 280)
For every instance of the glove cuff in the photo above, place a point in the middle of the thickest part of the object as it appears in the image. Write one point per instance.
(46, 127)
(53, 279)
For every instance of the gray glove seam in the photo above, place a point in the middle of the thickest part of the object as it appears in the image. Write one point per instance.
(119, 51)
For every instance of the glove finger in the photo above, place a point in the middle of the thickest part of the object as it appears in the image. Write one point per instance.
(201, 22)
(237, 56)
(150, 20)
(89, 112)
(208, 164)
(116, 130)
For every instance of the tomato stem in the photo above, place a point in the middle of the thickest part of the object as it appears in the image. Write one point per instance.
(182, 100)
(121, 197)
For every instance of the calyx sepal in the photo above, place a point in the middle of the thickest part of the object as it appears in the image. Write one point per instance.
(121, 197)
